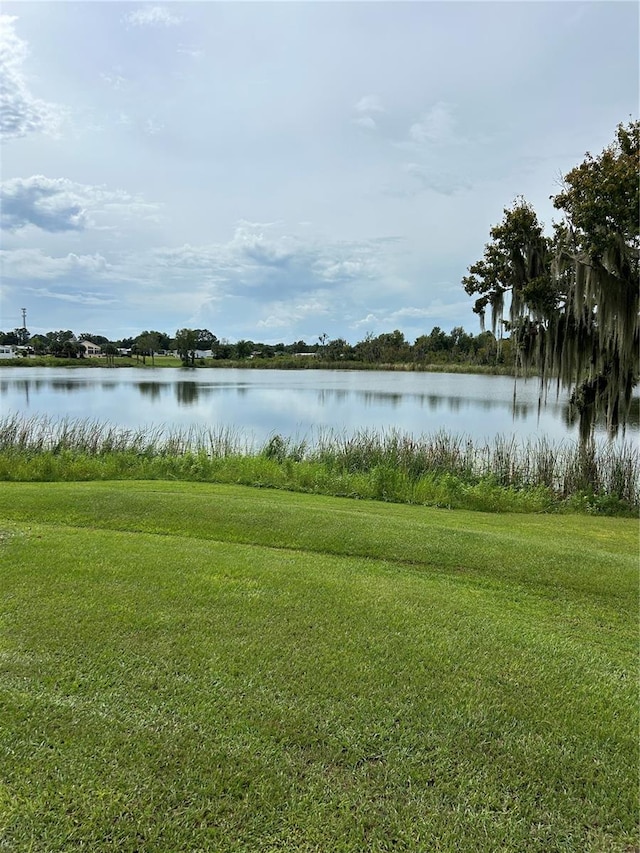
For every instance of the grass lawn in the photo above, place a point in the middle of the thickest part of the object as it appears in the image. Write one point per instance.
(190, 667)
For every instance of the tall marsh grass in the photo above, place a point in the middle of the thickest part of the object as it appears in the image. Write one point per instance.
(40, 434)
(440, 468)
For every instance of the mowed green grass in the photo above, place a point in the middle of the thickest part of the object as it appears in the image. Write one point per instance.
(193, 667)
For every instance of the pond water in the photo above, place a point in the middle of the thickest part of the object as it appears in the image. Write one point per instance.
(257, 403)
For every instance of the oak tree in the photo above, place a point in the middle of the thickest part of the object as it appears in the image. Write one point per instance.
(573, 297)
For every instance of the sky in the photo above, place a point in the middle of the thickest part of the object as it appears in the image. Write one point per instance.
(278, 171)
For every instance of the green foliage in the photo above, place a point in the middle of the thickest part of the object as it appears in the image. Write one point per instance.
(601, 247)
(440, 469)
(601, 200)
(516, 261)
(148, 344)
(388, 350)
(574, 298)
(186, 345)
(243, 349)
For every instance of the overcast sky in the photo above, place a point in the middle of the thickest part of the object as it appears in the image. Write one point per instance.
(277, 171)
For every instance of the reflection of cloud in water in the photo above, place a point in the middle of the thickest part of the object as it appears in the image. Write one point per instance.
(266, 401)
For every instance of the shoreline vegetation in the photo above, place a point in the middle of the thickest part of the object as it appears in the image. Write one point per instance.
(275, 363)
(440, 469)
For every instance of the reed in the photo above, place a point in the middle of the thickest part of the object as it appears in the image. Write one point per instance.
(440, 468)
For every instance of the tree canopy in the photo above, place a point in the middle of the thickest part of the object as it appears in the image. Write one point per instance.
(573, 296)
(186, 345)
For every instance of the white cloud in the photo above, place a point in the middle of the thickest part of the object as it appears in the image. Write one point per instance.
(261, 278)
(368, 321)
(114, 79)
(437, 308)
(21, 112)
(77, 297)
(436, 179)
(51, 205)
(435, 127)
(252, 246)
(152, 16)
(58, 204)
(411, 318)
(369, 104)
(33, 264)
(255, 257)
(285, 315)
(366, 108)
(193, 52)
(263, 127)
(152, 127)
(365, 121)
(330, 269)
(410, 312)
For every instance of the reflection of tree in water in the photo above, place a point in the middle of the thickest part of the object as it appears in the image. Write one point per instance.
(150, 389)
(186, 393)
(388, 398)
(329, 395)
(434, 402)
(24, 386)
(521, 411)
(68, 385)
(570, 417)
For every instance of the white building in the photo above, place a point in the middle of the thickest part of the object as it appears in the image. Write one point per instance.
(90, 348)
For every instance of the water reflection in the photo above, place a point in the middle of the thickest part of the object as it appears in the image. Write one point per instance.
(454, 404)
(153, 390)
(294, 403)
(374, 398)
(570, 417)
(187, 393)
(68, 385)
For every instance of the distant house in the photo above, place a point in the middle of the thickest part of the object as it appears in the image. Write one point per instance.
(7, 351)
(89, 348)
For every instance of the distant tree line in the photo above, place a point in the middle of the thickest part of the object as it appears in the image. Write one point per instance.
(437, 347)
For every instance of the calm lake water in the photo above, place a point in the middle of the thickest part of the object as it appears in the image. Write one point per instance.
(258, 403)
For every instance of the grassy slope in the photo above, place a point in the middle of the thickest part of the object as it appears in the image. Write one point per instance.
(196, 667)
